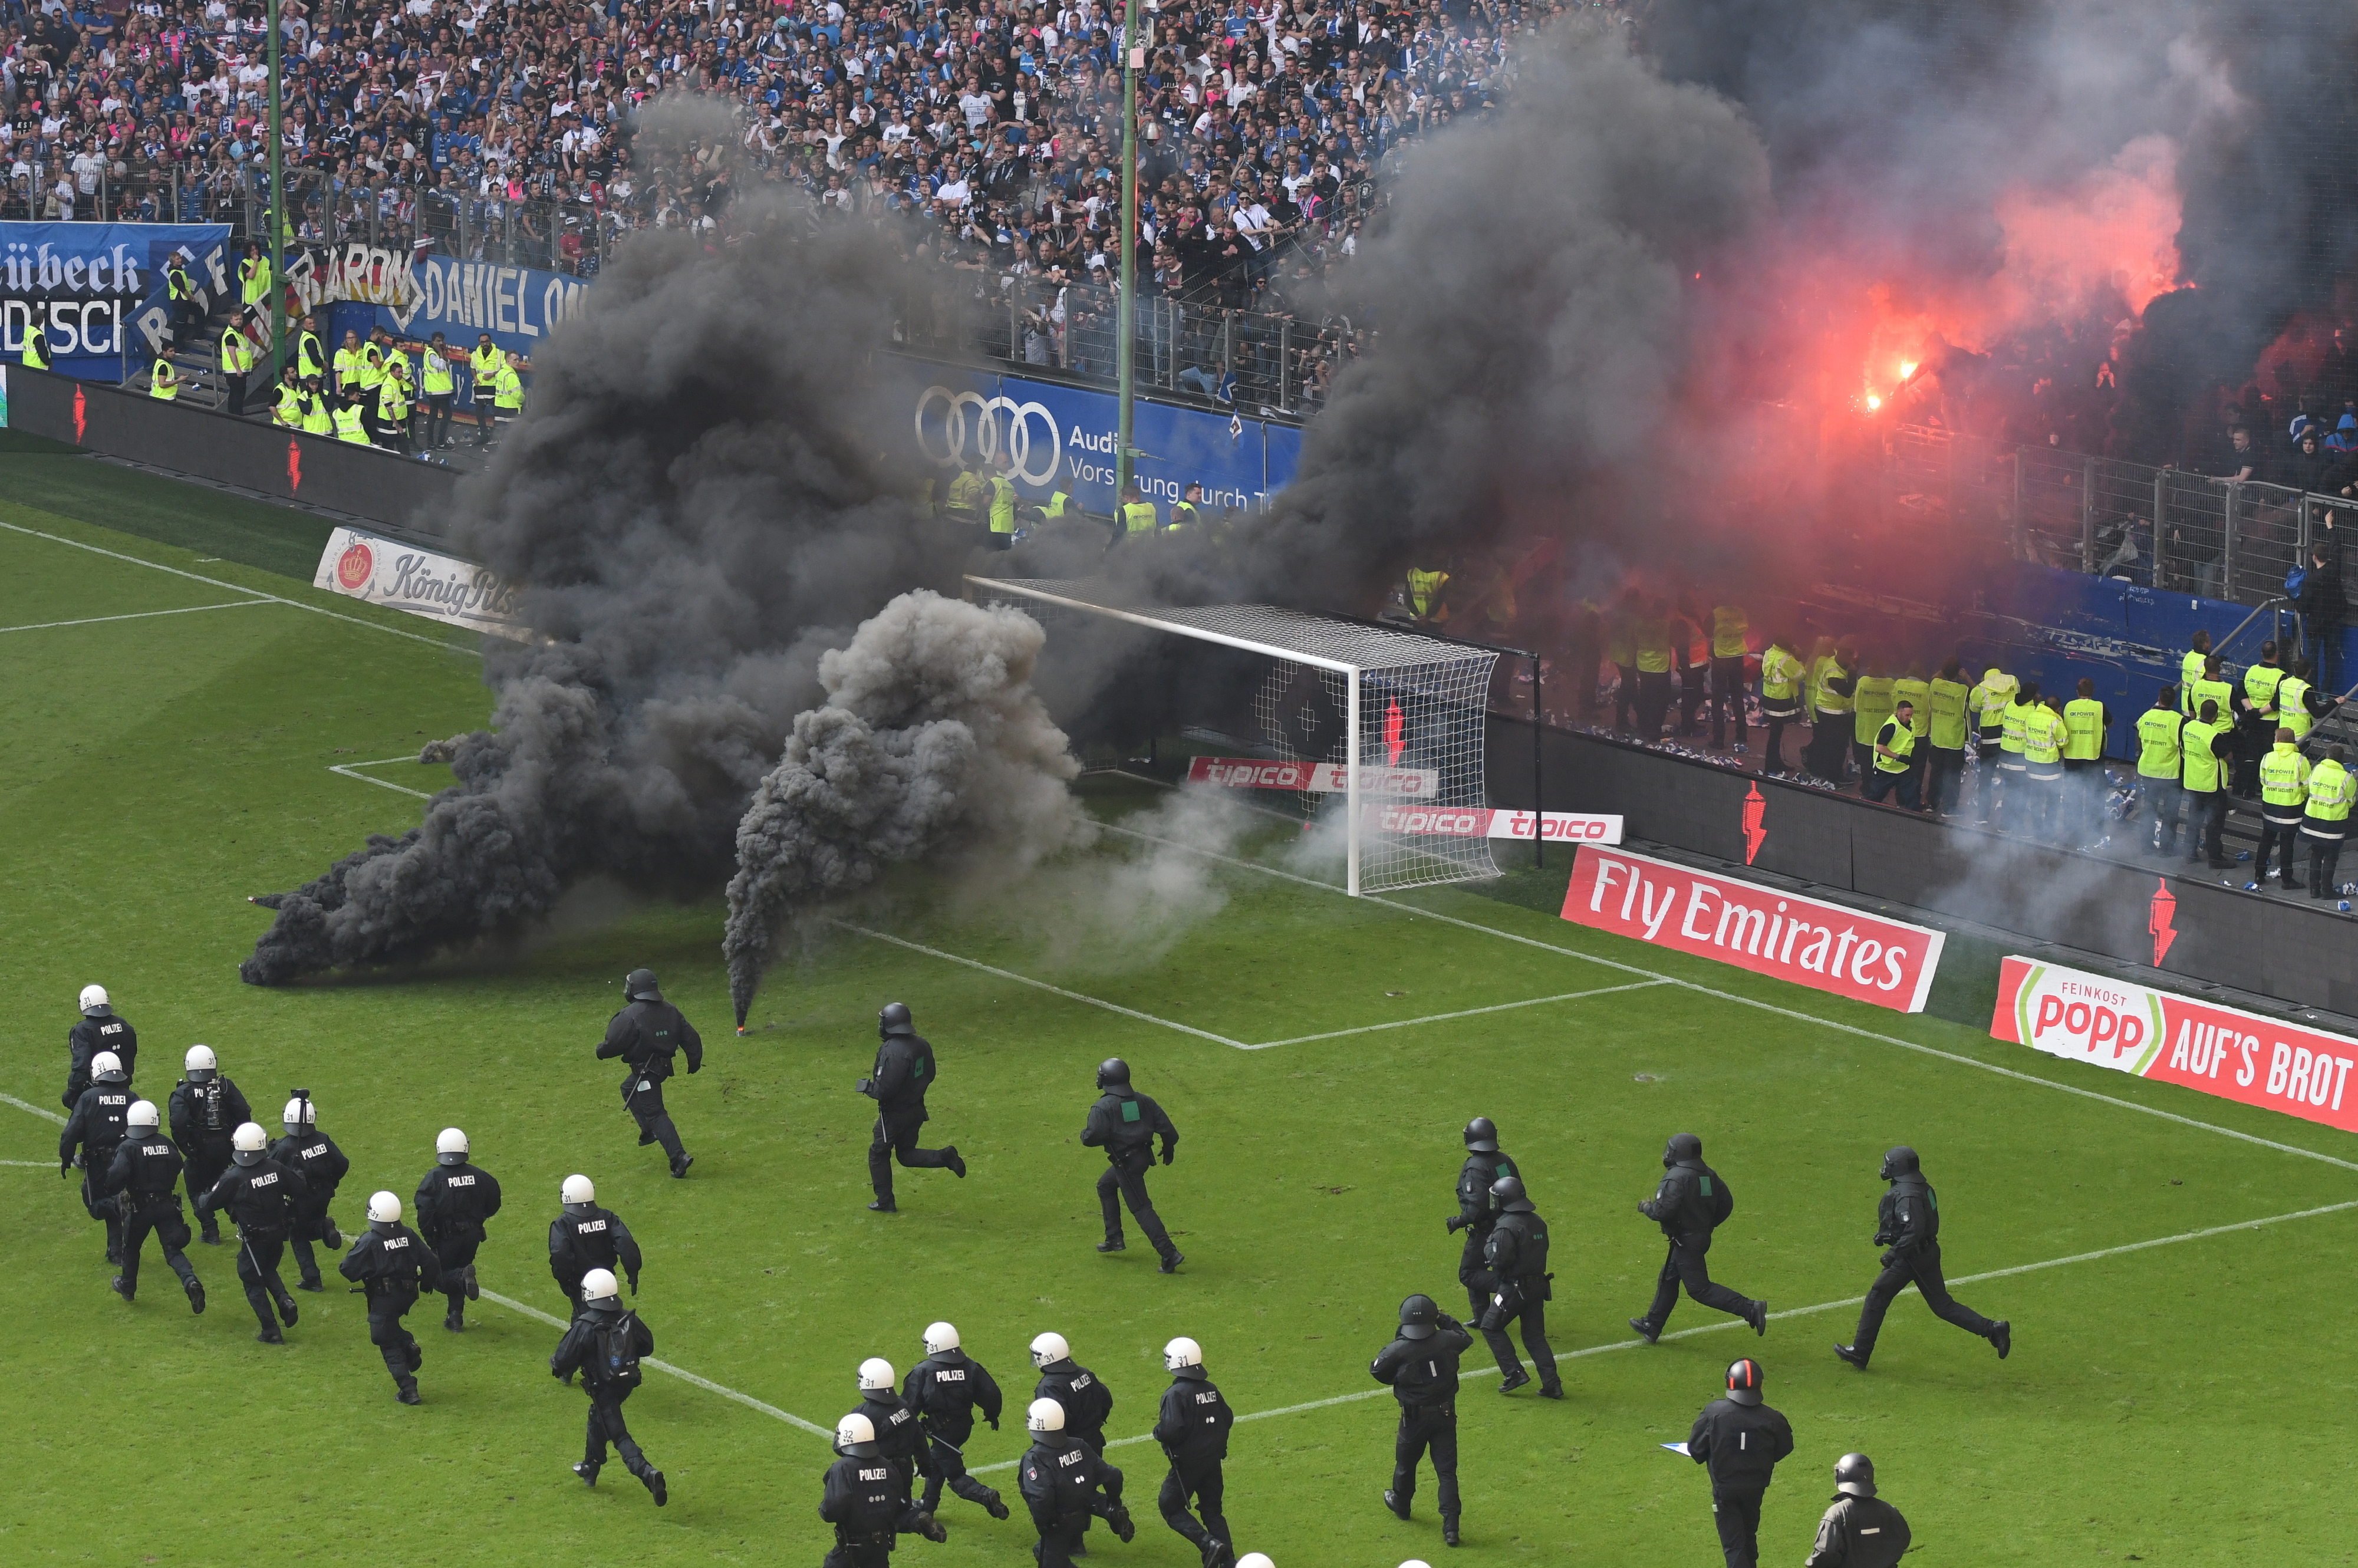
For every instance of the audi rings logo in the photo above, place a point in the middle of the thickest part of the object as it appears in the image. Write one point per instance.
(969, 422)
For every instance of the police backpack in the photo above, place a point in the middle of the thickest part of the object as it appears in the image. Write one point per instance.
(1716, 1194)
(617, 1348)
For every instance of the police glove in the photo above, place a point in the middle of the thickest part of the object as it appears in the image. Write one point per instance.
(1456, 1223)
(635, 1284)
(65, 1167)
(865, 1086)
(1169, 1153)
(994, 1421)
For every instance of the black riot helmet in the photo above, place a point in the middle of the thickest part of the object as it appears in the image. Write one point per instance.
(894, 1020)
(1507, 1192)
(1113, 1073)
(1419, 1317)
(1744, 1379)
(1898, 1162)
(1482, 1135)
(1681, 1146)
(639, 985)
(1855, 1473)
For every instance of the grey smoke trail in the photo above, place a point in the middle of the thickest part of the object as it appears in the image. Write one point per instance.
(931, 744)
(697, 511)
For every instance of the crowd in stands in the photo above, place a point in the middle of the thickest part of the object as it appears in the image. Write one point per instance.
(503, 128)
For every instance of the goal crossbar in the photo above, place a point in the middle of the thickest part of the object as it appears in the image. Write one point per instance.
(1343, 648)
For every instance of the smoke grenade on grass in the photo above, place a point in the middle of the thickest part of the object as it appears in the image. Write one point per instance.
(930, 745)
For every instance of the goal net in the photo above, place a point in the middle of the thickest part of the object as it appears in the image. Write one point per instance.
(1374, 733)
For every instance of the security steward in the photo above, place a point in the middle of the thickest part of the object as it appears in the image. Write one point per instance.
(1893, 759)
(2300, 703)
(142, 1177)
(1782, 675)
(1125, 1123)
(287, 412)
(866, 1498)
(1860, 1530)
(1065, 1484)
(37, 347)
(2257, 723)
(647, 1035)
(2043, 735)
(1908, 1223)
(2015, 797)
(1739, 1440)
(2331, 790)
(1831, 684)
(393, 1264)
(313, 1156)
(1003, 502)
(2159, 767)
(453, 1201)
(1947, 728)
(2204, 744)
(2213, 686)
(310, 353)
(900, 1437)
(1515, 1261)
(605, 1345)
(2190, 665)
(1485, 1163)
(236, 362)
(1421, 1366)
(261, 1196)
(585, 1237)
(2284, 799)
(1914, 690)
(1872, 702)
(2087, 724)
(905, 1070)
(1193, 1428)
(96, 1129)
(205, 1112)
(98, 1029)
(1986, 704)
(1731, 631)
(1135, 514)
(946, 1389)
(1088, 1402)
(1692, 1202)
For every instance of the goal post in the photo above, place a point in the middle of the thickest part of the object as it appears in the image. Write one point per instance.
(1386, 728)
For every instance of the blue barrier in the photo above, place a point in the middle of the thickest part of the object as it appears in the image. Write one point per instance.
(99, 289)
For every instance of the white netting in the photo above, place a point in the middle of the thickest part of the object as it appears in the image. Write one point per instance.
(1422, 711)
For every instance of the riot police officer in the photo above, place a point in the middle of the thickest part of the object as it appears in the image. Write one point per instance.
(1908, 1221)
(313, 1156)
(1065, 1484)
(905, 1070)
(1689, 1204)
(392, 1265)
(261, 1196)
(1420, 1365)
(1125, 1123)
(1193, 1428)
(900, 1437)
(99, 1029)
(1088, 1403)
(453, 1201)
(91, 1137)
(1484, 1164)
(945, 1388)
(1515, 1257)
(647, 1035)
(145, 1167)
(204, 1112)
(1739, 1440)
(866, 1498)
(605, 1345)
(1860, 1530)
(586, 1236)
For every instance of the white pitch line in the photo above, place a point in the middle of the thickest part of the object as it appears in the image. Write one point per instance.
(1726, 1324)
(1465, 1012)
(241, 587)
(36, 1109)
(346, 769)
(682, 1373)
(29, 1164)
(1043, 984)
(1794, 1013)
(142, 615)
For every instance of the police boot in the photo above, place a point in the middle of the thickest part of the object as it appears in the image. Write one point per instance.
(286, 1313)
(474, 1291)
(455, 1320)
(884, 1206)
(1448, 1530)
(271, 1336)
(121, 1287)
(1170, 1261)
(654, 1480)
(114, 1252)
(1853, 1355)
(2002, 1335)
(1216, 1554)
(645, 1138)
(679, 1166)
(588, 1472)
(1646, 1331)
(196, 1293)
(1515, 1380)
(416, 1354)
(408, 1394)
(331, 1238)
(210, 1235)
(309, 1282)
(1124, 1529)
(1394, 1501)
(1112, 1244)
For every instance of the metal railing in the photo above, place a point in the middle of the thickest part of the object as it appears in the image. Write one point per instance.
(1268, 365)
(2160, 528)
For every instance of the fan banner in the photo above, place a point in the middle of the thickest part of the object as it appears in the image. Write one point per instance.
(1825, 947)
(1487, 822)
(2220, 1050)
(1313, 778)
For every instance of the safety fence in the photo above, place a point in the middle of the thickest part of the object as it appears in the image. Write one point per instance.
(2159, 529)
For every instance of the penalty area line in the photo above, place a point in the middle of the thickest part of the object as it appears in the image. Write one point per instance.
(1726, 1324)
(347, 770)
(1794, 1013)
(140, 616)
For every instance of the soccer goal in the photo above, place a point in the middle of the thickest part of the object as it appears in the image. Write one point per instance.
(1377, 731)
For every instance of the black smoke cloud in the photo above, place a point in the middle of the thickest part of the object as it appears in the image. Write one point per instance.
(697, 511)
(930, 745)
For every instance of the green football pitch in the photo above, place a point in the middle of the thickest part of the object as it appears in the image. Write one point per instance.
(177, 712)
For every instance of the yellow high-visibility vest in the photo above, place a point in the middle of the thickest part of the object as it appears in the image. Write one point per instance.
(2084, 728)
